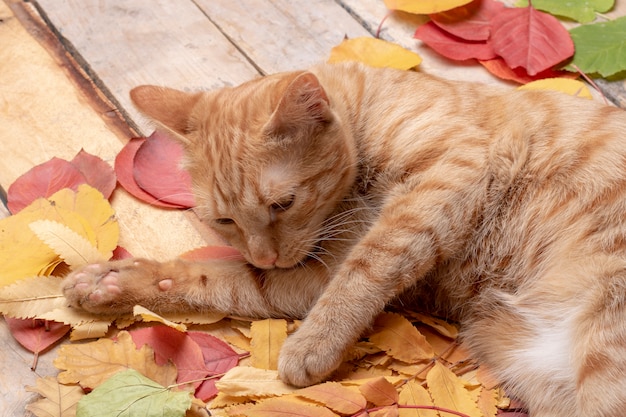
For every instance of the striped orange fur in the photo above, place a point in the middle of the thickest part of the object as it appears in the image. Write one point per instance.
(349, 188)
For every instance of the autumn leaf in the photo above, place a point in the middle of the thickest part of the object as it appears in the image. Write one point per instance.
(424, 6)
(583, 11)
(500, 69)
(287, 408)
(448, 391)
(31, 297)
(600, 48)
(157, 170)
(267, 337)
(413, 393)
(128, 394)
(379, 392)
(36, 335)
(247, 381)
(149, 316)
(572, 87)
(375, 53)
(528, 38)
(99, 174)
(400, 339)
(335, 396)
(90, 364)
(451, 46)
(471, 22)
(58, 400)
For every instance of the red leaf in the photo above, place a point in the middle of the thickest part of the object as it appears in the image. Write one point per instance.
(451, 46)
(120, 253)
(207, 253)
(170, 344)
(124, 169)
(528, 38)
(499, 68)
(36, 335)
(206, 390)
(471, 22)
(42, 181)
(98, 173)
(157, 170)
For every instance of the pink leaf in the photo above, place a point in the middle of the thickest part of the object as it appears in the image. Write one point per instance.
(207, 253)
(451, 46)
(42, 181)
(98, 173)
(527, 38)
(471, 22)
(120, 253)
(124, 170)
(157, 170)
(36, 335)
(170, 344)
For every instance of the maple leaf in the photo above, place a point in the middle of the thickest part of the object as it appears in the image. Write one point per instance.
(452, 46)
(59, 400)
(600, 48)
(129, 393)
(157, 170)
(267, 337)
(90, 364)
(424, 6)
(528, 38)
(470, 22)
(375, 53)
(400, 339)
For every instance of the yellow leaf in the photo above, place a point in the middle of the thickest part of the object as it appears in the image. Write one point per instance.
(73, 248)
(389, 411)
(247, 381)
(443, 327)
(287, 408)
(448, 391)
(400, 339)
(424, 6)
(379, 392)
(488, 402)
(90, 364)
(59, 400)
(148, 316)
(375, 53)
(31, 297)
(89, 330)
(267, 337)
(565, 85)
(413, 393)
(335, 396)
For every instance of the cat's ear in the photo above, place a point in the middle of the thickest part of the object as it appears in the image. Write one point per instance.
(304, 103)
(168, 107)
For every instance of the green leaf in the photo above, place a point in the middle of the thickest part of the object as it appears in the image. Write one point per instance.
(583, 11)
(128, 394)
(600, 48)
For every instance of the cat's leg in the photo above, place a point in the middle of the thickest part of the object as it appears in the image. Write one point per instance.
(417, 227)
(231, 287)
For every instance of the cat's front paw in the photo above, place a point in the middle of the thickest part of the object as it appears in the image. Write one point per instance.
(308, 358)
(103, 288)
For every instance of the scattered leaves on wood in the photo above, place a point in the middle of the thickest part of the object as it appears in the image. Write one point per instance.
(375, 53)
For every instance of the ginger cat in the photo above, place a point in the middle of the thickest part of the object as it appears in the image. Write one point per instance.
(347, 188)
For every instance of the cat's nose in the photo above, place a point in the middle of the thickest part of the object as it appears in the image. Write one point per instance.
(267, 261)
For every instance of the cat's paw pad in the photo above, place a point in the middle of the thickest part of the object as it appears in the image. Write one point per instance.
(308, 360)
(93, 287)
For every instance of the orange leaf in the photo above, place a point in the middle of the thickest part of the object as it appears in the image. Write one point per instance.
(379, 392)
(448, 391)
(400, 339)
(267, 337)
(424, 6)
(287, 408)
(413, 393)
(334, 395)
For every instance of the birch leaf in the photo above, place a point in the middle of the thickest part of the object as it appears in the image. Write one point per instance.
(375, 53)
(400, 339)
(564, 85)
(424, 6)
(31, 297)
(413, 393)
(90, 364)
(267, 337)
(247, 381)
(600, 47)
(448, 391)
(273, 407)
(58, 400)
(129, 394)
(73, 248)
(379, 392)
(335, 396)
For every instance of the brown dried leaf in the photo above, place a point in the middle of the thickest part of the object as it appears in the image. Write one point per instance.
(59, 400)
(400, 339)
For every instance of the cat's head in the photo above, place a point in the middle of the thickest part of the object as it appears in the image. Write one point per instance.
(270, 160)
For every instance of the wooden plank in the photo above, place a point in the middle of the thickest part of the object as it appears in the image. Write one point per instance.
(283, 35)
(125, 44)
(45, 113)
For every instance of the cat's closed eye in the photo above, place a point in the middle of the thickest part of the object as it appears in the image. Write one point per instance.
(284, 204)
(224, 220)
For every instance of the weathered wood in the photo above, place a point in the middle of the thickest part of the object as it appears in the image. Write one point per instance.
(283, 35)
(125, 44)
